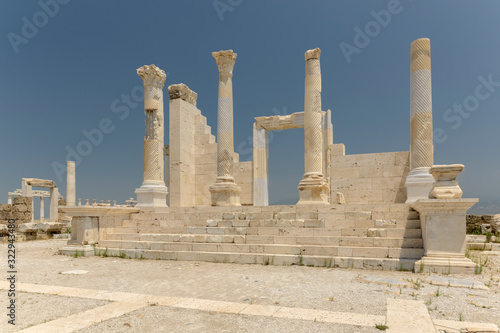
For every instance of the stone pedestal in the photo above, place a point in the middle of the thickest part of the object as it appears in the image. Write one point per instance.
(443, 233)
(153, 192)
(84, 234)
(225, 191)
(419, 182)
(446, 185)
(225, 194)
(313, 188)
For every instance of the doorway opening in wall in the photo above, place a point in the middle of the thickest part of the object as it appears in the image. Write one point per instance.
(286, 165)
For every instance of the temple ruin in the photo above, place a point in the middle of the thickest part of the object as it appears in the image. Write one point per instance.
(390, 210)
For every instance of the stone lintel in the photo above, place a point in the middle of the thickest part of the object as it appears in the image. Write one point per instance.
(183, 92)
(276, 123)
(98, 211)
(35, 182)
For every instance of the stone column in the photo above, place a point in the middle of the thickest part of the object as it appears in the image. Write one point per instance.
(260, 166)
(419, 182)
(153, 192)
(54, 204)
(313, 188)
(42, 209)
(9, 199)
(70, 184)
(225, 192)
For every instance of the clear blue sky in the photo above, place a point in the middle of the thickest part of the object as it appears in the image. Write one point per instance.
(65, 76)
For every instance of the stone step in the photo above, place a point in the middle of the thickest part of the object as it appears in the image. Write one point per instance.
(381, 232)
(343, 251)
(217, 230)
(307, 223)
(251, 239)
(266, 259)
(376, 211)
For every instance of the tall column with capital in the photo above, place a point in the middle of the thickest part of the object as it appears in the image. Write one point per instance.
(419, 182)
(313, 188)
(70, 184)
(225, 192)
(153, 192)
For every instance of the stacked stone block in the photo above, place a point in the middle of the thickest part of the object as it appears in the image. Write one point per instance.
(369, 178)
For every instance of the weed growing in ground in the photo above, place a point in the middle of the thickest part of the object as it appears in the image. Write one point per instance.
(381, 327)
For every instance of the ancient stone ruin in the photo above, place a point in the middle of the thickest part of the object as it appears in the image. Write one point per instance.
(389, 210)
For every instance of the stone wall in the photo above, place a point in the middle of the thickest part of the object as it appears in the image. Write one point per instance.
(369, 178)
(193, 159)
(20, 210)
(482, 224)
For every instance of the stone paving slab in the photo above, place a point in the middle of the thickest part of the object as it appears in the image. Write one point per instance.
(87, 318)
(452, 282)
(408, 316)
(383, 280)
(402, 315)
(450, 326)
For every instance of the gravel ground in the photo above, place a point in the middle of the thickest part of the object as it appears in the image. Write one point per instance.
(162, 319)
(34, 309)
(291, 286)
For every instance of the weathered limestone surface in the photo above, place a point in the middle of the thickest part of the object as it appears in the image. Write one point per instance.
(225, 191)
(261, 128)
(313, 188)
(446, 185)
(193, 155)
(70, 184)
(183, 92)
(419, 182)
(20, 210)
(443, 224)
(34, 182)
(153, 192)
(369, 178)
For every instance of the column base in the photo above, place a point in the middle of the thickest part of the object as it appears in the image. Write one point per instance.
(313, 189)
(446, 265)
(152, 195)
(77, 250)
(225, 193)
(419, 184)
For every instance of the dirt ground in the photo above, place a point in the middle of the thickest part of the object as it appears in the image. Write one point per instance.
(332, 289)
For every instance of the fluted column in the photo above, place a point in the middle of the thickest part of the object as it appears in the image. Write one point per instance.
(313, 188)
(153, 191)
(225, 192)
(70, 184)
(419, 182)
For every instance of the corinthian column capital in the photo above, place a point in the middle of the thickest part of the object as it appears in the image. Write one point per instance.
(152, 75)
(225, 61)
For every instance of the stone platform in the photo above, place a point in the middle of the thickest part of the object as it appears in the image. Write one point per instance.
(373, 236)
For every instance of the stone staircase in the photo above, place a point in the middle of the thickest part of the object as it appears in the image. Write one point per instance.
(372, 236)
